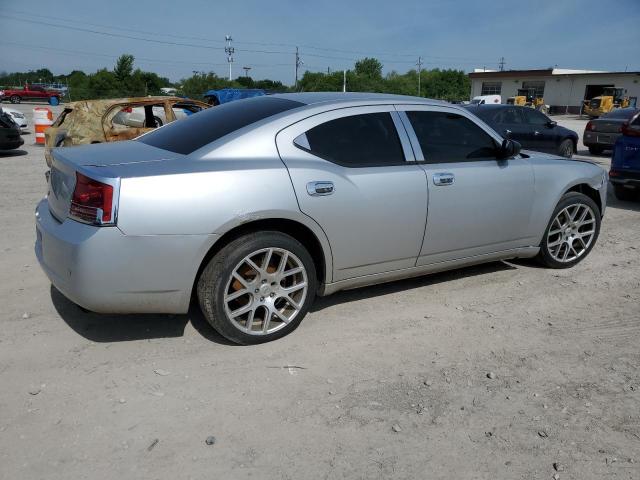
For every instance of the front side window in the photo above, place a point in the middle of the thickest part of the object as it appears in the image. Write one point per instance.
(450, 137)
(534, 117)
(367, 140)
(491, 88)
(507, 115)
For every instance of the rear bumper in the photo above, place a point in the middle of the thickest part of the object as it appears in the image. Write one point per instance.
(596, 139)
(106, 271)
(627, 178)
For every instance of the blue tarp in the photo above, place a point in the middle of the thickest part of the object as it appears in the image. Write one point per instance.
(229, 94)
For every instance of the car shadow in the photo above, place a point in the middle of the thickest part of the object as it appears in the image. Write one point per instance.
(613, 202)
(104, 328)
(364, 293)
(12, 153)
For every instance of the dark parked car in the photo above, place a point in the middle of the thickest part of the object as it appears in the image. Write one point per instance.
(601, 133)
(529, 127)
(625, 163)
(9, 133)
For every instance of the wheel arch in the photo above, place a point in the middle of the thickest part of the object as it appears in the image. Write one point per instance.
(314, 241)
(589, 191)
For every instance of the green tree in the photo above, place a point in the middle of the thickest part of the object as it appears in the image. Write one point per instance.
(369, 68)
(124, 67)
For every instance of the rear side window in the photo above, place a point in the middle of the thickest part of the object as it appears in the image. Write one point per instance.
(449, 137)
(211, 124)
(507, 115)
(368, 140)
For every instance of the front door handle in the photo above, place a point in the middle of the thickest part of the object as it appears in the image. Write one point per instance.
(536, 132)
(443, 179)
(507, 132)
(317, 189)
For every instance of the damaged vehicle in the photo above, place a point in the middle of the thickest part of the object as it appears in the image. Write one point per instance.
(98, 121)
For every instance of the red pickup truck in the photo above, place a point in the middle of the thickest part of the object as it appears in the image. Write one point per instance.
(31, 93)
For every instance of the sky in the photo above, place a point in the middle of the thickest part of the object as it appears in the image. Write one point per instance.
(179, 37)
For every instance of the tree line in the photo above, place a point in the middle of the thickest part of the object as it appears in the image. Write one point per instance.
(126, 81)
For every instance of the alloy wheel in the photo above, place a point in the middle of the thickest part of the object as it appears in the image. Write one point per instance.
(571, 233)
(266, 291)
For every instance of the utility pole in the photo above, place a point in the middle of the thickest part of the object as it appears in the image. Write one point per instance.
(299, 63)
(344, 80)
(419, 64)
(228, 49)
(501, 63)
(246, 71)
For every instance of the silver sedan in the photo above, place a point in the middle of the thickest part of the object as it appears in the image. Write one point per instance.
(257, 206)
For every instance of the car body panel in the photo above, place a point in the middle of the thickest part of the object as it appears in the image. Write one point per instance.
(173, 208)
(625, 162)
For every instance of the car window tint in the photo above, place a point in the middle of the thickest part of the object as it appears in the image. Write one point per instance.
(507, 115)
(211, 124)
(450, 137)
(356, 141)
(534, 117)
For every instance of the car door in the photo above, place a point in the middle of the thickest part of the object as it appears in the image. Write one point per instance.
(354, 173)
(477, 204)
(543, 136)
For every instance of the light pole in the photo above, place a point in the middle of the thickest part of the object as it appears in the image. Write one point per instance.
(419, 64)
(299, 63)
(228, 49)
(246, 71)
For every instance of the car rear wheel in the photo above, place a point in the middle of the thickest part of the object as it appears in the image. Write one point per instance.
(566, 148)
(571, 232)
(625, 194)
(14, 99)
(258, 288)
(596, 150)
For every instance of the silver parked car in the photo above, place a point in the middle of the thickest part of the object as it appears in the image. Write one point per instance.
(259, 205)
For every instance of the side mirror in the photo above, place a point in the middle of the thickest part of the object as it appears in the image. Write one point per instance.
(508, 149)
(551, 124)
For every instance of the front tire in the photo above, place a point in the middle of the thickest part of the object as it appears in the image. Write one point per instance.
(566, 148)
(15, 99)
(571, 233)
(258, 288)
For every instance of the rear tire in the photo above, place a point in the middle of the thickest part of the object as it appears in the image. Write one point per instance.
(566, 148)
(596, 150)
(258, 288)
(571, 233)
(625, 194)
(15, 99)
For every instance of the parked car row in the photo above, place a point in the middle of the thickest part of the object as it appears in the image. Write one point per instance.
(257, 206)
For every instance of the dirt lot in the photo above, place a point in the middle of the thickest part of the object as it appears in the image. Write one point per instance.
(383, 382)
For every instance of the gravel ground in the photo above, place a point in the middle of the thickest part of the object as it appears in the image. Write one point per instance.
(504, 370)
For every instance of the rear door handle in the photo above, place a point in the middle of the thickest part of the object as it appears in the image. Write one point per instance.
(443, 179)
(317, 189)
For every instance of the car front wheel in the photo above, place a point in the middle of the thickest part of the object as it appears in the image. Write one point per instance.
(14, 99)
(566, 148)
(258, 288)
(571, 233)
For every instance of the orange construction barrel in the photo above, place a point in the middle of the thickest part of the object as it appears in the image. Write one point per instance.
(42, 119)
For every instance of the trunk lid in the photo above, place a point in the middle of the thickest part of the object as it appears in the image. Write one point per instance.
(612, 125)
(90, 160)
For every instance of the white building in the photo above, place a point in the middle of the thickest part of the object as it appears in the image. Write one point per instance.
(563, 90)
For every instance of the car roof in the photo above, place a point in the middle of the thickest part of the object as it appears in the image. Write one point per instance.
(314, 98)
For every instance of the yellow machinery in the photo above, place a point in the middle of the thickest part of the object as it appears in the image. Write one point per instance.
(610, 98)
(527, 98)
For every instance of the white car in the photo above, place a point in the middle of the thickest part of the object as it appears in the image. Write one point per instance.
(18, 118)
(135, 116)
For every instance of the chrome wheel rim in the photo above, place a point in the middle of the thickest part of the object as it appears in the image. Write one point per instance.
(571, 233)
(266, 291)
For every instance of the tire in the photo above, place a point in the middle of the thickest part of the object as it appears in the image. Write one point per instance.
(566, 148)
(15, 99)
(596, 150)
(158, 122)
(263, 289)
(554, 245)
(625, 194)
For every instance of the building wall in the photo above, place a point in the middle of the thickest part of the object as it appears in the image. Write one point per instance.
(561, 90)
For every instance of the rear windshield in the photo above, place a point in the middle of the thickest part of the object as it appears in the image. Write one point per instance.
(625, 113)
(213, 123)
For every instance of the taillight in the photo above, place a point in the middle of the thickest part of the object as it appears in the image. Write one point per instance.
(590, 126)
(127, 110)
(92, 201)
